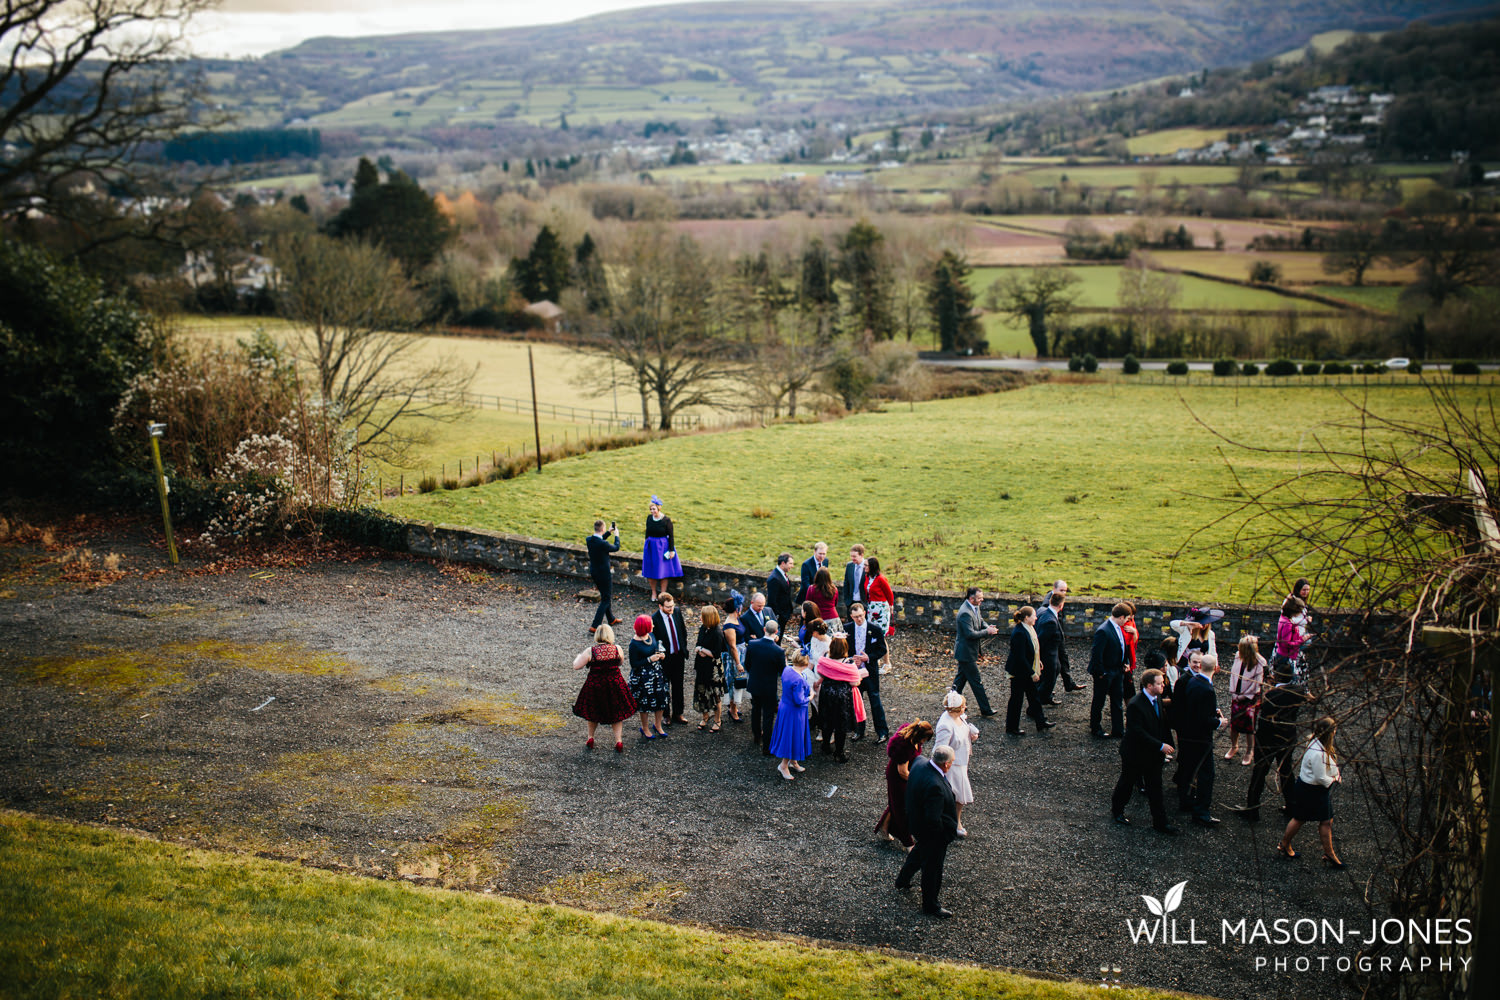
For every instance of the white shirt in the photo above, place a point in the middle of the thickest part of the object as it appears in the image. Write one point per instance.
(1318, 765)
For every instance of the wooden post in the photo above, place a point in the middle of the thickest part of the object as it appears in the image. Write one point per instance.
(155, 431)
(536, 425)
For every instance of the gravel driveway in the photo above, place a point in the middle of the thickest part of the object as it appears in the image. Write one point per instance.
(402, 718)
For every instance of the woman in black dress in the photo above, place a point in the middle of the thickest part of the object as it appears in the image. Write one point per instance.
(708, 671)
(604, 697)
(648, 678)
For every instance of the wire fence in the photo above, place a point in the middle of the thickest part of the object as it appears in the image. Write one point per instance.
(615, 418)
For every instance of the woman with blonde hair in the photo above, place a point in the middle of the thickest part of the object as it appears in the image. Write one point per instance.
(1310, 799)
(954, 730)
(1246, 682)
(605, 698)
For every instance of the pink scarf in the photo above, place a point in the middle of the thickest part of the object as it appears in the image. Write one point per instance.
(837, 670)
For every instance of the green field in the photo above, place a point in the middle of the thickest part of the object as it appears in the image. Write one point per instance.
(1099, 288)
(957, 491)
(1382, 297)
(88, 912)
(1297, 268)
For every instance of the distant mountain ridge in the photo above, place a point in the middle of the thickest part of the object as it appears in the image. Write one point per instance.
(770, 60)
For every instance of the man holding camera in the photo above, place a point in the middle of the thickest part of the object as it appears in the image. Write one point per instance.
(600, 549)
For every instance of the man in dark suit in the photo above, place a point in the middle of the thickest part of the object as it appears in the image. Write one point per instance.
(1107, 667)
(966, 647)
(1275, 738)
(1199, 719)
(779, 590)
(1054, 651)
(867, 646)
(818, 560)
(932, 817)
(1143, 752)
(671, 632)
(599, 552)
(764, 662)
(756, 616)
(855, 578)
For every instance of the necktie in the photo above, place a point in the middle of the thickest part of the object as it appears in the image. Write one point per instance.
(671, 634)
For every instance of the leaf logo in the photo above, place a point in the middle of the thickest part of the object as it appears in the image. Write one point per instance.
(1170, 902)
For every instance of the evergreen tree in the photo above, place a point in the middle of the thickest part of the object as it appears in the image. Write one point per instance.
(397, 216)
(543, 272)
(864, 268)
(951, 304)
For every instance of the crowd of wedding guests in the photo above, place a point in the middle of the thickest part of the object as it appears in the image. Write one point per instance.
(807, 654)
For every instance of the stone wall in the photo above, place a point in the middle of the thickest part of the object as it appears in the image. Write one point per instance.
(702, 582)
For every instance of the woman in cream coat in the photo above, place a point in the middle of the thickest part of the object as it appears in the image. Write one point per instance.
(1310, 800)
(953, 730)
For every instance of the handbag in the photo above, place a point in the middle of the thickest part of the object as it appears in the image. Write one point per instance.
(733, 679)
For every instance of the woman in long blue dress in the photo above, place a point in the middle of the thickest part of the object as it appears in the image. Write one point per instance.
(659, 562)
(791, 737)
(648, 678)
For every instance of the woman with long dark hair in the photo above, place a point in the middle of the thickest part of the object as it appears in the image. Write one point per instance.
(839, 709)
(880, 605)
(903, 748)
(824, 596)
(1311, 800)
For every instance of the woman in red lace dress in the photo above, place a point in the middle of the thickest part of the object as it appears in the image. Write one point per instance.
(605, 696)
(902, 749)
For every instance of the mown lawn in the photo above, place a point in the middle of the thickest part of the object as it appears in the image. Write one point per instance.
(1098, 483)
(1099, 287)
(89, 912)
(1172, 139)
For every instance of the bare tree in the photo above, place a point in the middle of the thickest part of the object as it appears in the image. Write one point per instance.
(1397, 530)
(85, 83)
(348, 300)
(1147, 296)
(660, 330)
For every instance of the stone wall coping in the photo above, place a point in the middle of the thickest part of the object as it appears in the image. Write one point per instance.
(704, 581)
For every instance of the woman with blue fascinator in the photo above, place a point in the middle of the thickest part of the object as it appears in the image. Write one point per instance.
(659, 562)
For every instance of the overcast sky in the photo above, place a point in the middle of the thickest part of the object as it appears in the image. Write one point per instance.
(254, 27)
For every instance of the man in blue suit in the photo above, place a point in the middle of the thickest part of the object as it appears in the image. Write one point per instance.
(1199, 719)
(810, 566)
(855, 578)
(764, 662)
(1107, 667)
(779, 591)
(599, 552)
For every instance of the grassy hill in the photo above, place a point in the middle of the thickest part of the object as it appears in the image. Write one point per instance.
(772, 60)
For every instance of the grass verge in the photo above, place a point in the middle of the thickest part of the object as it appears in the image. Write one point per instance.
(91, 912)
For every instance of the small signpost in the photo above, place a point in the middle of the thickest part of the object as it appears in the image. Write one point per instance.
(155, 432)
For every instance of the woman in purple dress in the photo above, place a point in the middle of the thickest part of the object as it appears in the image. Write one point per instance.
(659, 562)
(605, 697)
(791, 739)
(903, 748)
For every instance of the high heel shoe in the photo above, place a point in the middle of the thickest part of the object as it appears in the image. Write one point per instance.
(620, 747)
(1331, 863)
(589, 743)
(645, 734)
(784, 773)
(1285, 851)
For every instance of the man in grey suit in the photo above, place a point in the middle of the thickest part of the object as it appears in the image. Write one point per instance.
(971, 635)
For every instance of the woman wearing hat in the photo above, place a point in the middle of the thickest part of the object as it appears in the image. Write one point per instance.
(953, 730)
(1195, 633)
(648, 678)
(659, 562)
(604, 697)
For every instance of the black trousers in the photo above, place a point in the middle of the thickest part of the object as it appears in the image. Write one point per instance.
(1195, 776)
(1281, 756)
(763, 719)
(1111, 686)
(673, 666)
(871, 686)
(1134, 771)
(968, 672)
(928, 856)
(604, 613)
(1022, 687)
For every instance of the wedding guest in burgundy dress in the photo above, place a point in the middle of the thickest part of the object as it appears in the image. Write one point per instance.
(903, 748)
(605, 698)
